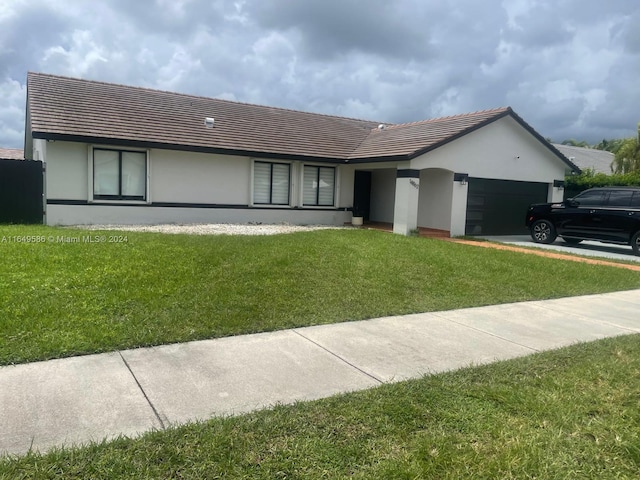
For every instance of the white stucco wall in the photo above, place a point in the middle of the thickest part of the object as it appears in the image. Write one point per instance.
(38, 149)
(459, 209)
(346, 178)
(217, 182)
(188, 177)
(67, 171)
(434, 204)
(502, 150)
(149, 215)
(555, 194)
(383, 194)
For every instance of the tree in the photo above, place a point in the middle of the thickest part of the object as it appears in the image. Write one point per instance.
(610, 145)
(574, 143)
(627, 157)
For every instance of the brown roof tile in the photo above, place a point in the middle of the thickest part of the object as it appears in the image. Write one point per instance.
(71, 108)
(82, 108)
(410, 139)
(11, 154)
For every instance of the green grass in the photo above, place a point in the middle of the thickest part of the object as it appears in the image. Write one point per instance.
(569, 413)
(61, 299)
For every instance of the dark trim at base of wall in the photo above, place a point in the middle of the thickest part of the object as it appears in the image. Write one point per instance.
(55, 201)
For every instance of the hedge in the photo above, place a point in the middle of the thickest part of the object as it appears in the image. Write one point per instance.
(588, 179)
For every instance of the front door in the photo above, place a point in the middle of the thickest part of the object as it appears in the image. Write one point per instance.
(362, 194)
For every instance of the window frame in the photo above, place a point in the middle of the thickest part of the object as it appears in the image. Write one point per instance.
(318, 169)
(604, 198)
(119, 196)
(271, 184)
(615, 196)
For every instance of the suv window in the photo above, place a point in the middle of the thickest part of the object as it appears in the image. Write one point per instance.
(591, 199)
(635, 201)
(620, 198)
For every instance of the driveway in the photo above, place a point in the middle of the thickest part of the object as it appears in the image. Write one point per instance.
(591, 249)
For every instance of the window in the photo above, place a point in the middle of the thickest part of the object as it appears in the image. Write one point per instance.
(620, 198)
(271, 183)
(319, 186)
(119, 175)
(593, 198)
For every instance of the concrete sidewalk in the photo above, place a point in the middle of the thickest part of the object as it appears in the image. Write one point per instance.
(76, 400)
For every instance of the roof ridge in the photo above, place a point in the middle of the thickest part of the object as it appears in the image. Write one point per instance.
(588, 147)
(201, 97)
(480, 118)
(449, 117)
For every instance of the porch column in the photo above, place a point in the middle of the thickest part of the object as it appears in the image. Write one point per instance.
(459, 204)
(405, 213)
(556, 191)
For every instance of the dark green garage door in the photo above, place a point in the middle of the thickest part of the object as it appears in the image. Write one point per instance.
(498, 207)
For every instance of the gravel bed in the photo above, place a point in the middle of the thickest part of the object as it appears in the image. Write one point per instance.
(214, 228)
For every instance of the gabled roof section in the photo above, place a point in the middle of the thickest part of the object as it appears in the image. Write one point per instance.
(62, 107)
(11, 154)
(408, 140)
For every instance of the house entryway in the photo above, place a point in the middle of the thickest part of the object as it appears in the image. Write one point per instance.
(362, 194)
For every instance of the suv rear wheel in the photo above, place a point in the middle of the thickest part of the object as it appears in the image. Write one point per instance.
(635, 243)
(543, 231)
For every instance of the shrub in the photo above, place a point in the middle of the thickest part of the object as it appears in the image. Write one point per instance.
(575, 184)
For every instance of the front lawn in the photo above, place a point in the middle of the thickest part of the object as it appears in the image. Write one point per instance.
(570, 413)
(59, 298)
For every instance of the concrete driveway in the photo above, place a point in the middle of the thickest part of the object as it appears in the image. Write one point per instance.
(591, 249)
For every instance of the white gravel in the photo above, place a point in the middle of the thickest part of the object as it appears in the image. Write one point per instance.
(214, 228)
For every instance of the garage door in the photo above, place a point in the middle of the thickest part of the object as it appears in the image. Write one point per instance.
(498, 207)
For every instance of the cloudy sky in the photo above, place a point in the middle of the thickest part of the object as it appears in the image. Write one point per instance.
(570, 68)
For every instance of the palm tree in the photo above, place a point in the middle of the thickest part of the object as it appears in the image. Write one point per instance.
(627, 158)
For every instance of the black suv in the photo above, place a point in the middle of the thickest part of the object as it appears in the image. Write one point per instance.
(610, 215)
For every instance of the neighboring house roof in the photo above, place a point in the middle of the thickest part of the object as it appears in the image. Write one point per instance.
(83, 110)
(599, 160)
(11, 154)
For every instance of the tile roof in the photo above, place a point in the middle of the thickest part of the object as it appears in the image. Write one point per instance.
(85, 110)
(11, 154)
(82, 108)
(599, 160)
(410, 139)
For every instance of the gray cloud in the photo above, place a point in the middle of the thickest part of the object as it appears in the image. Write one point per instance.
(335, 27)
(24, 33)
(569, 68)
